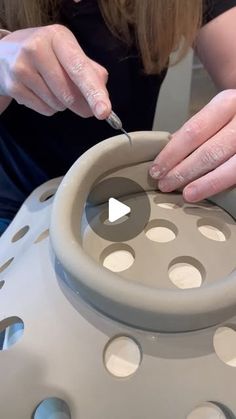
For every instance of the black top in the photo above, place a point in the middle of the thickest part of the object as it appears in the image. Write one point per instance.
(35, 148)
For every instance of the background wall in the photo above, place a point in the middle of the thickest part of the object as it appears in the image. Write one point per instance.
(186, 90)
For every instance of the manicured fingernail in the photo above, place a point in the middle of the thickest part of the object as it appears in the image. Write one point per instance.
(190, 193)
(155, 171)
(101, 110)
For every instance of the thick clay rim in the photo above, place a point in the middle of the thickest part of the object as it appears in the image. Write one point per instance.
(131, 303)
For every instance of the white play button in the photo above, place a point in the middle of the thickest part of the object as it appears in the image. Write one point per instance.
(117, 210)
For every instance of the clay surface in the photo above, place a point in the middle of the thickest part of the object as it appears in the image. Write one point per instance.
(143, 302)
(72, 359)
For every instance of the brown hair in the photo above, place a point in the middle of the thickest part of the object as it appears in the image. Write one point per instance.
(160, 26)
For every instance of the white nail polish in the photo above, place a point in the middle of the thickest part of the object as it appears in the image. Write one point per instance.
(155, 173)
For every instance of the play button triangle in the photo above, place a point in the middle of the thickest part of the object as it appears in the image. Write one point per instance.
(117, 210)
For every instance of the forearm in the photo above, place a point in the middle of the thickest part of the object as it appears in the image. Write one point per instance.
(215, 48)
(4, 100)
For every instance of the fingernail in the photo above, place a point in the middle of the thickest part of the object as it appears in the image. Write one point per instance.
(190, 193)
(155, 171)
(164, 186)
(101, 110)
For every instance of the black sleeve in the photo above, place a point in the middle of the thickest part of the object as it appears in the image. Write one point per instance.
(214, 8)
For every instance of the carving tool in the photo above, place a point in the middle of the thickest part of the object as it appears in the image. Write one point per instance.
(115, 122)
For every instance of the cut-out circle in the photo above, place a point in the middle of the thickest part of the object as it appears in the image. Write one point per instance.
(225, 345)
(42, 236)
(104, 219)
(52, 408)
(213, 229)
(20, 234)
(186, 273)
(168, 205)
(122, 356)
(119, 221)
(6, 264)
(161, 231)
(118, 257)
(47, 195)
(207, 410)
(13, 327)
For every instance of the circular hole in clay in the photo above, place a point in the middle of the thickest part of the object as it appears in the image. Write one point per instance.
(161, 231)
(47, 195)
(51, 408)
(168, 205)
(42, 236)
(6, 264)
(225, 345)
(207, 410)
(122, 356)
(202, 205)
(13, 328)
(212, 233)
(213, 229)
(105, 220)
(157, 199)
(186, 272)
(117, 257)
(21, 233)
(1, 284)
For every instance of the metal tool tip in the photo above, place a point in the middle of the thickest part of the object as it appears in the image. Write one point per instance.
(127, 135)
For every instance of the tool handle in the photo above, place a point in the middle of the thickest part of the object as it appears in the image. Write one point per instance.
(114, 121)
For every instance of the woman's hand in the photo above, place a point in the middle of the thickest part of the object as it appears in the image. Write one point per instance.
(201, 156)
(46, 70)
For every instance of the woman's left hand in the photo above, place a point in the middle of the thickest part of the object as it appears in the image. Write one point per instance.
(201, 156)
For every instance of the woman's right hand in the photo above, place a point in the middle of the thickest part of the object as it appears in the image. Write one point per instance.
(46, 70)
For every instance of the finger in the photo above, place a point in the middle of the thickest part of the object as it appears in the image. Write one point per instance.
(25, 97)
(59, 83)
(207, 157)
(37, 85)
(100, 70)
(82, 73)
(217, 181)
(195, 132)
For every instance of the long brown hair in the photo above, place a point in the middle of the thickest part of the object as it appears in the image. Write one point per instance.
(160, 26)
